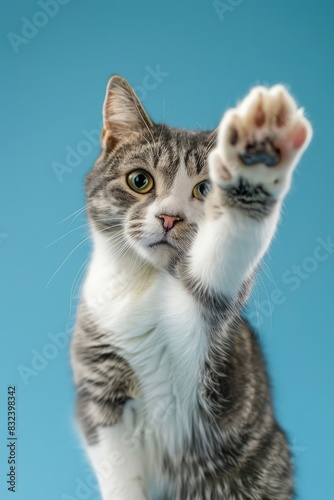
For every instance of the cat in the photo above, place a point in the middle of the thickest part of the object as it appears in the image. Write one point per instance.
(173, 397)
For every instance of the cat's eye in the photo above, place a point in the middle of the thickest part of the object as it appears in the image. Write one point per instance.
(140, 181)
(201, 190)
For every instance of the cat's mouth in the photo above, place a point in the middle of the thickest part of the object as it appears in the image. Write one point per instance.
(161, 242)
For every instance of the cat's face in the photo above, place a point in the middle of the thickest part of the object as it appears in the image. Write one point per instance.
(148, 186)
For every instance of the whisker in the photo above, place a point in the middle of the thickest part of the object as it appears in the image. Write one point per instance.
(61, 265)
(63, 262)
(86, 207)
(71, 215)
(78, 276)
(69, 232)
(143, 120)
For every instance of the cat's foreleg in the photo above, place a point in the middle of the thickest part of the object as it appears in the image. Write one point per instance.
(258, 146)
(117, 463)
(107, 415)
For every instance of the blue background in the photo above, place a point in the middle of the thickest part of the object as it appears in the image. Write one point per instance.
(52, 89)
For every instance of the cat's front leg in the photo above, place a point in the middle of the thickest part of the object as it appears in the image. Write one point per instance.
(258, 146)
(117, 462)
(107, 412)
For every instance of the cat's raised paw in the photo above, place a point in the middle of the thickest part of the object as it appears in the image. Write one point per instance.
(260, 140)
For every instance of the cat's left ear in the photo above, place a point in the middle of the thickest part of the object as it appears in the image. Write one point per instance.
(123, 114)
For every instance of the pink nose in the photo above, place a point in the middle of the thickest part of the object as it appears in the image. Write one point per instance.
(169, 220)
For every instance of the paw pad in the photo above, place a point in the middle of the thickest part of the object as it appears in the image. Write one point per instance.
(261, 152)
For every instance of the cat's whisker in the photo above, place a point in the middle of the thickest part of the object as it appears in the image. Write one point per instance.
(69, 232)
(139, 111)
(77, 215)
(164, 112)
(65, 260)
(76, 280)
(208, 148)
(267, 271)
(81, 212)
(111, 227)
(163, 126)
(82, 209)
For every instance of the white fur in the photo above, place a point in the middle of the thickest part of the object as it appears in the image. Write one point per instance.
(227, 250)
(160, 332)
(117, 463)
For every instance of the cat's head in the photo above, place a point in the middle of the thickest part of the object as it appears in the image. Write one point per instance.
(148, 185)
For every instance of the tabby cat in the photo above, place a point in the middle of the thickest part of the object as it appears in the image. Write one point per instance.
(173, 396)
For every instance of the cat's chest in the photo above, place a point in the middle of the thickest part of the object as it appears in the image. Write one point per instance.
(161, 334)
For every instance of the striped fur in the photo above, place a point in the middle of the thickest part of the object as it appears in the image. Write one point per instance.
(173, 396)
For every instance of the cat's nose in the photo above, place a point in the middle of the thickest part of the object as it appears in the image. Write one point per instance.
(169, 220)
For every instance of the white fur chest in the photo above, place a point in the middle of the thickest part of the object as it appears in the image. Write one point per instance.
(158, 329)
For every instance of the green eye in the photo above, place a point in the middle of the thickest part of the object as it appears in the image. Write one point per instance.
(201, 191)
(140, 181)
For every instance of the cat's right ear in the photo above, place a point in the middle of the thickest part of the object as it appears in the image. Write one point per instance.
(123, 114)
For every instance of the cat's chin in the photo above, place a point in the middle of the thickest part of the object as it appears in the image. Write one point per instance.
(159, 254)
